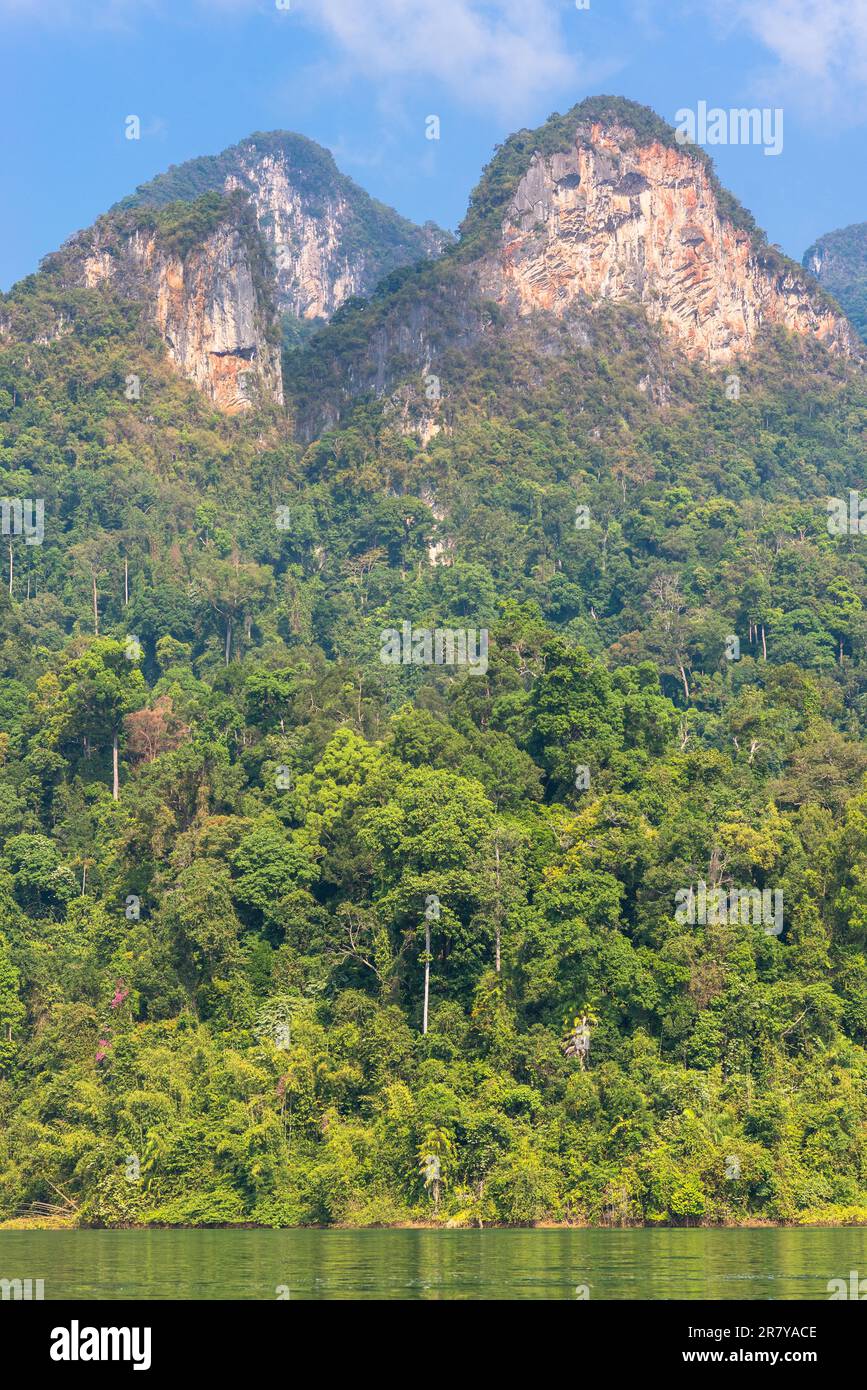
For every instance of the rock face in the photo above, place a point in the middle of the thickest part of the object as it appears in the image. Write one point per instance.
(616, 218)
(598, 204)
(327, 238)
(217, 323)
(219, 248)
(320, 257)
(313, 276)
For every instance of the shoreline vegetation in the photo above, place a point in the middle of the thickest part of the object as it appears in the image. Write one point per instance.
(815, 1220)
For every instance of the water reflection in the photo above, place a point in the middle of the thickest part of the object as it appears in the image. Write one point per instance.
(544, 1264)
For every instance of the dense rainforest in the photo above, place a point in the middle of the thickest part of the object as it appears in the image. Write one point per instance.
(234, 844)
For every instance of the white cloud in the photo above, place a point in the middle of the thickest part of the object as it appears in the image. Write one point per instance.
(820, 45)
(500, 54)
(508, 56)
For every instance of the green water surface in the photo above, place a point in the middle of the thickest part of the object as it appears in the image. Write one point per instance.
(498, 1264)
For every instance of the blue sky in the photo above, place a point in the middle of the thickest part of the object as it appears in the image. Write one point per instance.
(361, 76)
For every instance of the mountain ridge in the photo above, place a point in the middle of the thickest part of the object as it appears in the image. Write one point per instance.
(365, 229)
(601, 203)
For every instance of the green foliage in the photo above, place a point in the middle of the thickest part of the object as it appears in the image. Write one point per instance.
(839, 260)
(211, 989)
(180, 225)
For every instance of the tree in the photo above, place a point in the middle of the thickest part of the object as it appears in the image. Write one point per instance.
(577, 1041)
(436, 1155)
(499, 869)
(199, 914)
(233, 589)
(668, 632)
(575, 714)
(90, 557)
(94, 693)
(150, 732)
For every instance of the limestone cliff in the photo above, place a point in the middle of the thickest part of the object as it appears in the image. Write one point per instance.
(598, 205)
(598, 210)
(205, 293)
(327, 238)
(222, 248)
(614, 217)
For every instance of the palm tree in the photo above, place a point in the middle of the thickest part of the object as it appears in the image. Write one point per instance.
(435, 1158)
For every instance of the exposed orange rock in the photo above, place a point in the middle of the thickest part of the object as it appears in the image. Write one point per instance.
(615, 219)
(205, 306)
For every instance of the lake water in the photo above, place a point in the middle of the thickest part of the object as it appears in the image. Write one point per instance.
(534, 1264)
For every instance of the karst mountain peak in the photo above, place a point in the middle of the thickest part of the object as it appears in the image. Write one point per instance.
(234, 253)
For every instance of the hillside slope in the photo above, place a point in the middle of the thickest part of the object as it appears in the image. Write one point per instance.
(292, 933)
(839, 262)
